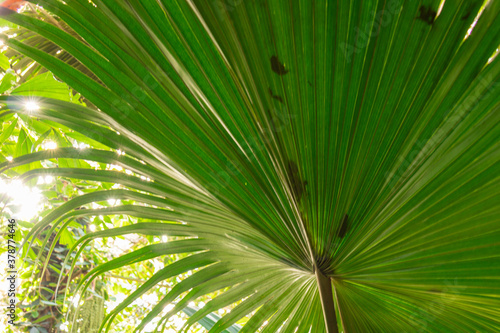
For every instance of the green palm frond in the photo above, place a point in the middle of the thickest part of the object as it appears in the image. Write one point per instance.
(332, 164)
(25, 65)
(209, 321)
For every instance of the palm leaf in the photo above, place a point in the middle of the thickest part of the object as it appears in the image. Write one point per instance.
(339, 160)
(209, 321)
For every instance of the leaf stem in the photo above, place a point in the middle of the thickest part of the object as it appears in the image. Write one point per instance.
(326, 296)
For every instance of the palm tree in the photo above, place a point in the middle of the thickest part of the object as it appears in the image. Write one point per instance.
(334, 164)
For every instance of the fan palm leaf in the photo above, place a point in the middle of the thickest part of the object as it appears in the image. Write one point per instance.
(335, 163)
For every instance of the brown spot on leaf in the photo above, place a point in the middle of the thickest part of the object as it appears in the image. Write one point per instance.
(468, 12)
(276, 97)
(277, 66)
(298, 186)
(466, 16)
(343, 226)
(426, 14)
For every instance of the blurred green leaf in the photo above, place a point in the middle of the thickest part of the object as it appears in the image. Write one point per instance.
(209, 321)
(8, 81)
(43, 85)
(8, 132)
(4, 62)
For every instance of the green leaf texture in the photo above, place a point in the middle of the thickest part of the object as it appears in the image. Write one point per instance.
(358, 137)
